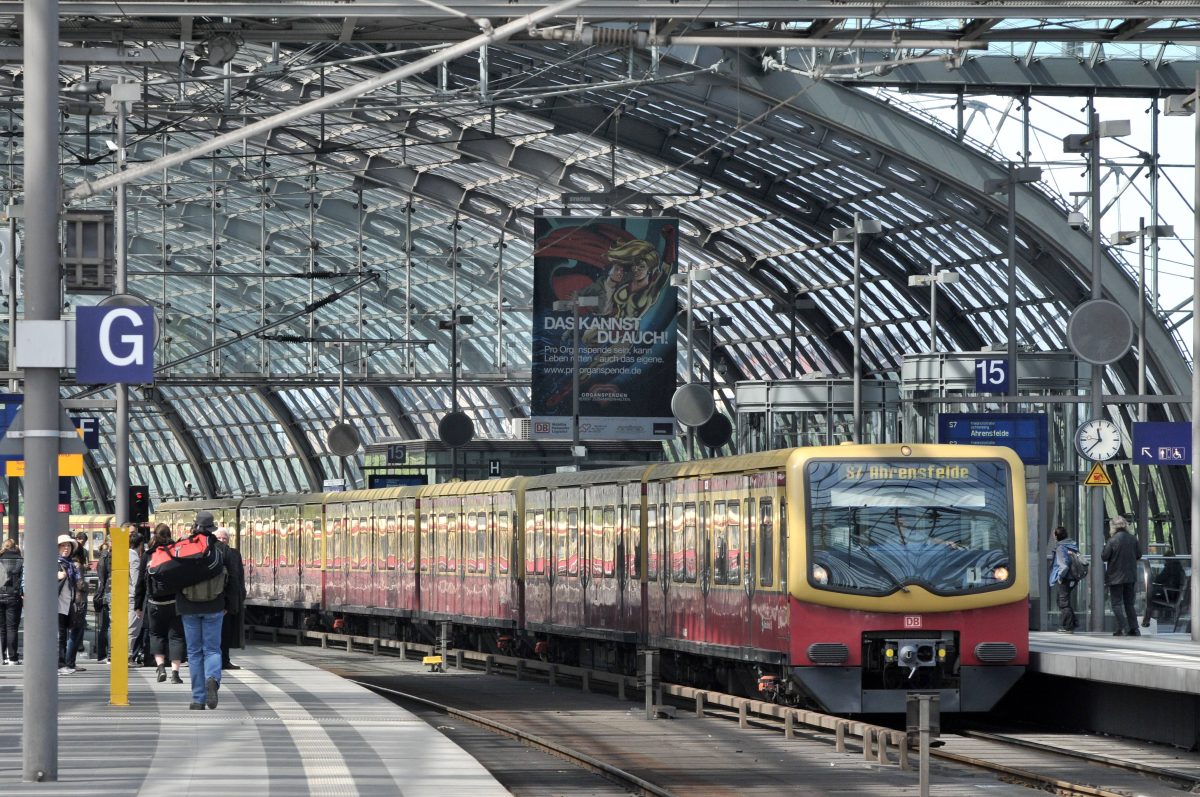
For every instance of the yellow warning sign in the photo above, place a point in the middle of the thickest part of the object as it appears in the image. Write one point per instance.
(68, 465)
(1098, 477)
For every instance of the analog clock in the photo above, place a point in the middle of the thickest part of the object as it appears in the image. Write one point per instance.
(1098, 439)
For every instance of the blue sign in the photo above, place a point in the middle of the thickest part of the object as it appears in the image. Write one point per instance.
(379, 481)
(1023, 432)
(114, 345)
(91, 431)
(991, 376)
(10, 404)
(1162, 443)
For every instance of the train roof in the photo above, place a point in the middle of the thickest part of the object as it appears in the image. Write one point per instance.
(761, 460)
(586, 478)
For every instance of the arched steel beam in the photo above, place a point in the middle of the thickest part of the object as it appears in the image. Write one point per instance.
(207, 483)
(391, 405)
(295, 435)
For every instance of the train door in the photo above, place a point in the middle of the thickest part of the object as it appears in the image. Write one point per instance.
(426, 555)
(656, 583)
(287, 569)
(383, 585)
(629, 557)
(310, 573)
(408, 583)
(335, 556)
(508, 588)
(767, 580)
(538, 596)
(729, 594)
(572, 569)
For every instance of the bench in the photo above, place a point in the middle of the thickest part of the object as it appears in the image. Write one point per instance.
(434, 663)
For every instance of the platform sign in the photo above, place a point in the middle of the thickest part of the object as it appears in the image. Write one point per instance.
(89, 430)
(397, 454)
(1024, 432)
(114, 345)
(493, 467)
(1162, 443)
(10, 405)
(991, 376)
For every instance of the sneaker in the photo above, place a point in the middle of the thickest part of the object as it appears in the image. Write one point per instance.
(1133, 632)
(196, 707)
(7, 662)
(66, 671)
(210, 692)
(175, 679)
(162, 673)
(102, 661)
(79, 669)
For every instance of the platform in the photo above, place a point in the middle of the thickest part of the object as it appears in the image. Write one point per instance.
(1145, 687)
(282, 728)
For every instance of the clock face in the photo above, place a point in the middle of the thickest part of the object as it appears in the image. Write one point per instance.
(1098, 440)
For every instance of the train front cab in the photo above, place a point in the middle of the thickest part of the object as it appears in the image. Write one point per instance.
(863, 653)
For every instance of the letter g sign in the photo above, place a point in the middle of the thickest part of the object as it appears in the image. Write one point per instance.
(113, 345)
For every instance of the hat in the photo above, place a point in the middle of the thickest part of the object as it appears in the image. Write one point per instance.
(205, 521)
(67, 539)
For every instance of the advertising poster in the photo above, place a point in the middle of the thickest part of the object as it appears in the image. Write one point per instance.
(626, 342)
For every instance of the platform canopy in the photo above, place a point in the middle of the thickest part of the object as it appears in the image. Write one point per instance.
(325, 252)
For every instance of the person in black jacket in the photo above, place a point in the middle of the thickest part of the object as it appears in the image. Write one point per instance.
(101, 600)
(12, 583)
(231, 626)
(166, 628)
(203, 607)
(1120, 555)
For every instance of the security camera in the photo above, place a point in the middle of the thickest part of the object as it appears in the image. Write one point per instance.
(1076, 219)
(188, 487)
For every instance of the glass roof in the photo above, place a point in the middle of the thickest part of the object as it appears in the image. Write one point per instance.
(328, 251)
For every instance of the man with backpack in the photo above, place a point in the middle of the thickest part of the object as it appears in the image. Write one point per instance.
(1065, 572)
(203, 606)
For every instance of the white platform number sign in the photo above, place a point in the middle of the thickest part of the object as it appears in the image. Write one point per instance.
(114, 345)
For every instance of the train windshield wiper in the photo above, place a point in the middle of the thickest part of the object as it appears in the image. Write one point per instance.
(892, 578)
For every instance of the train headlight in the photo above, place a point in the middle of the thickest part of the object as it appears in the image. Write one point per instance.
(889, 654)
(820, 575)
(1000, 573)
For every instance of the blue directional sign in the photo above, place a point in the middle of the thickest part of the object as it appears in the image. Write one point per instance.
(1024, 432)
(91, 431)
(10, 404)
(1159, 443)
(114, 345)
(991, 376)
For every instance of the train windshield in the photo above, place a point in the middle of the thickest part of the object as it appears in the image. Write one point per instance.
(877, 526)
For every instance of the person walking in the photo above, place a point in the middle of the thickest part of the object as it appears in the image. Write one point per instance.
(203, 607)
(1120, 555)
(231, 626)
(69, 580)
(165, 626)
(136, 576)
(1061, 579)
(12, 596)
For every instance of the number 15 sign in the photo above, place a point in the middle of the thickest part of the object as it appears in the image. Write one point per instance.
(991, 376)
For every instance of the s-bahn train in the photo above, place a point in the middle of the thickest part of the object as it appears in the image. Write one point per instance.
(848, 575)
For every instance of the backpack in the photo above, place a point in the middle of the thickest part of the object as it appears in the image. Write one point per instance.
(206, 591)
(184, 563)
(1077, 569)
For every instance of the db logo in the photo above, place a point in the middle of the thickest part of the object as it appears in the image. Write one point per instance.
(541, 427)
(912, 621)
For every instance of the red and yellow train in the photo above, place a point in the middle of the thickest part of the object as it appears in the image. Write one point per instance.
(851, 574)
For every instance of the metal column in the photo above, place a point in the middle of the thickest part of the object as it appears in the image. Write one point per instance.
(1095, 515)
(121, 483)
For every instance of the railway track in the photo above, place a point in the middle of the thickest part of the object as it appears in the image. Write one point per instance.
(1045, 767)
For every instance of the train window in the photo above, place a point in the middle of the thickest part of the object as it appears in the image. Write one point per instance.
(733, 542)
(503, 541)
(483, 533)
(766, 552)
(653, 544)
(427, 548)
(410, 541)
(689, 541)
(470, 543)
(571, 556)
(453, 544)
(539, 544)
(440, 543)
(529, 524)
(703, 541)
(596, 542)
(633, 542)
(721, 548)
(560, 542)
(610, 541)
(677, 571)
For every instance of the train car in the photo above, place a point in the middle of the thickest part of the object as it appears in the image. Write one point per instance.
(278, 550)
(582, 568)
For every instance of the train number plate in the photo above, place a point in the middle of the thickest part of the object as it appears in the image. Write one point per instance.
(912, 621)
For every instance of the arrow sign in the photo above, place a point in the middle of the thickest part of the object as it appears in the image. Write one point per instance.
(1161, 443)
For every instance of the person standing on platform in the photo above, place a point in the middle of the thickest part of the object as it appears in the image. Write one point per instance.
(165, 626)
(1120, 555)
(81, 556)
(1061, 580)
(203, 606)
(101, 602)
(68, 581)
(12, 591)
(79, 612)
(231, 627)
(137, 574)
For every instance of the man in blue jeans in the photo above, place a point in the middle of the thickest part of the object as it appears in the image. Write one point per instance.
(203, 607)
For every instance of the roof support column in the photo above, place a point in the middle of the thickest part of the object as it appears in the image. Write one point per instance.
(295, 435)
